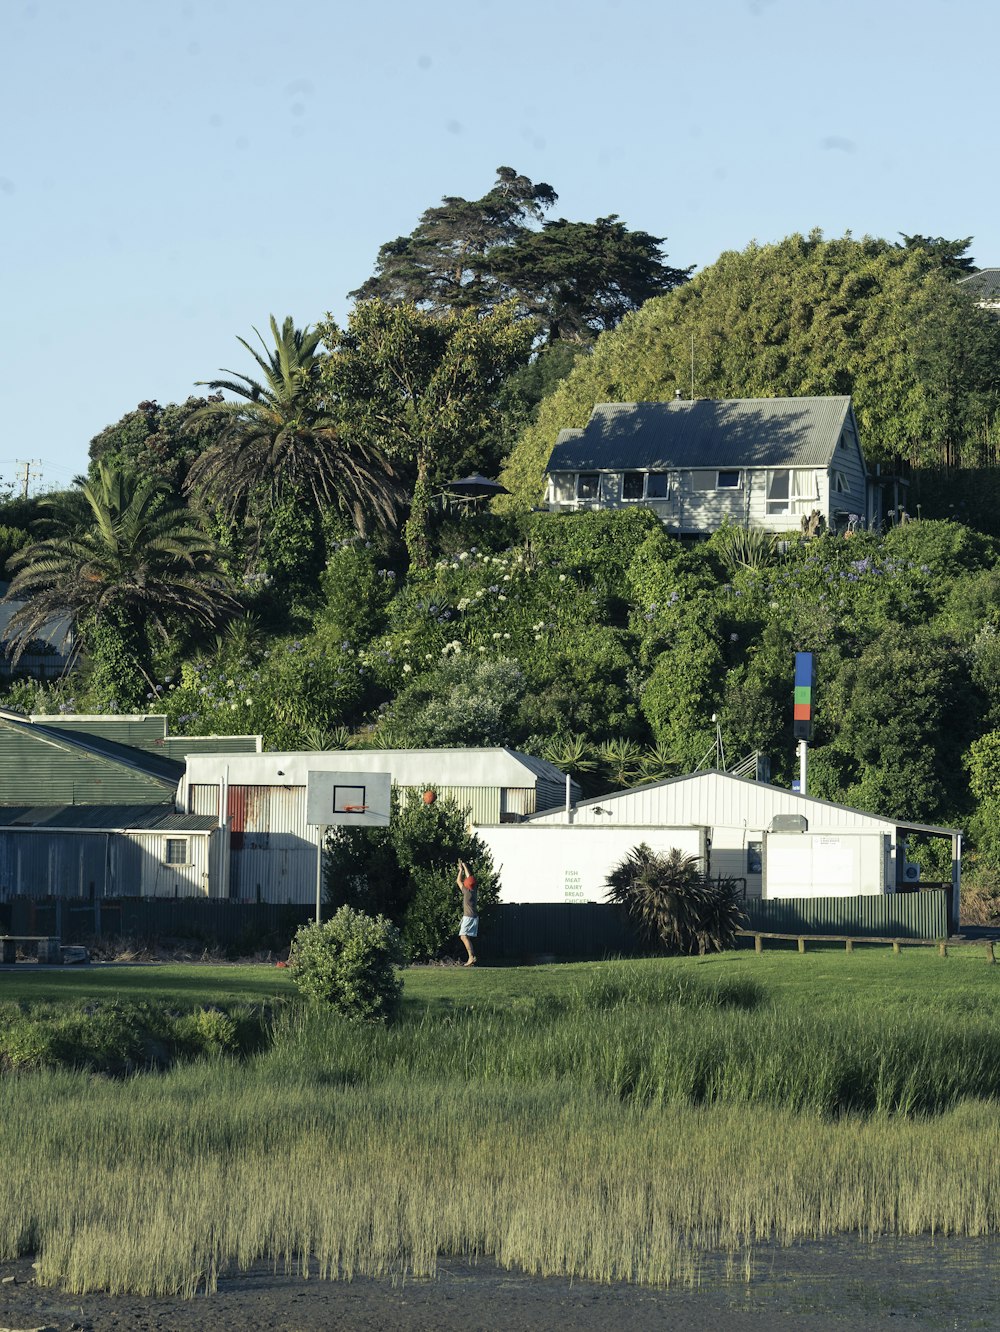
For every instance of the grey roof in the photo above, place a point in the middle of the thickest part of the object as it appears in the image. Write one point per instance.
(984, 285)
(154, 818)
(705, 432)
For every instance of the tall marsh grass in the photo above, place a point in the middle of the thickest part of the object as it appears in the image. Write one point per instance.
(614, 1132)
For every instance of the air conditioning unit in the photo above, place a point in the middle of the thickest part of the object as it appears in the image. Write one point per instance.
(911, 873)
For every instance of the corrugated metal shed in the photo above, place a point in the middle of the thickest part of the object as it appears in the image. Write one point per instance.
(704, 433)
(718, 799)
(457, 768)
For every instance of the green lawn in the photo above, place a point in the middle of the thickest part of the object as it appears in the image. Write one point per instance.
(821, 980)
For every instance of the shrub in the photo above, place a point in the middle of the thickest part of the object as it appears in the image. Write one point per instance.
(348, 963)
(673, 903)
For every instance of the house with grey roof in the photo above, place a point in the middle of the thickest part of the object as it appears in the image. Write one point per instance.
(768, 463)
(983, 288)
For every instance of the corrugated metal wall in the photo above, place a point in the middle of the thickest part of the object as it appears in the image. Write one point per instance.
(102, 864)
(895, 915)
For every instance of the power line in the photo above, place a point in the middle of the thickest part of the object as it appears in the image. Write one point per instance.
(26, 474)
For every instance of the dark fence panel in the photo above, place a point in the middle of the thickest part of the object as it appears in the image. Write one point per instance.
(212, 922)
(556, 929)
(922, 915)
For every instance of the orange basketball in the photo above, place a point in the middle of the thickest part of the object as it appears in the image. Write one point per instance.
(429, 797)
(469, 881)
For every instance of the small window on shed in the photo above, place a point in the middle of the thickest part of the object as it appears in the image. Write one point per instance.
(755, 858)
(632, 485)
(587, 485)
(657, 485)
(841, 485)
(177, 851)
(728, 481)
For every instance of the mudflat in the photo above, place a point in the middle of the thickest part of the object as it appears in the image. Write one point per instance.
(845, 1284)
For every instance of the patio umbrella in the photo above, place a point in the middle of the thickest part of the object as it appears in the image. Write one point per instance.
(475, 487)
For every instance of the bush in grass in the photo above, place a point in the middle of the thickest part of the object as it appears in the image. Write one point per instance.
(349, 963)
(673, 903)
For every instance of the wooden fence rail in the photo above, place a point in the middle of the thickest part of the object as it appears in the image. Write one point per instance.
(849, 941)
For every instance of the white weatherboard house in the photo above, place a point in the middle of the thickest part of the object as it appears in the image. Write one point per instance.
(259, 802)
(775, 842)
(756, 462)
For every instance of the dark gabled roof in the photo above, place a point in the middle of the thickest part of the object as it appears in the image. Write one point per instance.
(983, 286)
(140, 760)
(705, 432)
(154, 818)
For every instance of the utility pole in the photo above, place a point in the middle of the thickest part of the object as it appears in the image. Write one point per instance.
(26, 475)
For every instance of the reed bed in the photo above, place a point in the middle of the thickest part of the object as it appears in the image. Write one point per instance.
(619, 1131)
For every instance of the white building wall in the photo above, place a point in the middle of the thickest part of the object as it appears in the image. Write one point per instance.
(549, 863)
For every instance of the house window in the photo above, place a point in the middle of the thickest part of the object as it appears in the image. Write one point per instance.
(632, 485)
(755, 857)
(611, 487)
(587, 485)
(657, 486)
(177, 851)
(841, 485)
(728, 479)
(790, 491)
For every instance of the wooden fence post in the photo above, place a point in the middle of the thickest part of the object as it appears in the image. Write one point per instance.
(802, 943)
(758, 944)
(990, 955)
(848, 945)
(942, 949)
(895, 946)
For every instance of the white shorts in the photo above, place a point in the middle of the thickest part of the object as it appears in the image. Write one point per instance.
(469, 926)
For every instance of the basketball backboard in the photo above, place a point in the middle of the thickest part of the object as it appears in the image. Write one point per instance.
(348, 799)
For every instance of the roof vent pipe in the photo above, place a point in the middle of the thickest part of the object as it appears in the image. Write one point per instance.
(569, 798)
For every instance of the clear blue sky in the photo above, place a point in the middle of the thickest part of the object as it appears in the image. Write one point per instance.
(174, 171)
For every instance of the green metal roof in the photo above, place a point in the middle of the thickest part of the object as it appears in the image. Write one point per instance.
(43, 765)
(148, 732)
(704, 433)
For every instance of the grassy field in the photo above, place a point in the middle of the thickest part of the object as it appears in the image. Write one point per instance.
(610, 1120)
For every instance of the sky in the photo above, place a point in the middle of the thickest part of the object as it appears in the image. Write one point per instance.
(173, 172)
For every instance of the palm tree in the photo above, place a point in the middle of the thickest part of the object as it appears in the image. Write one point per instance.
(673, 904)
(139, 566)
(277, 440)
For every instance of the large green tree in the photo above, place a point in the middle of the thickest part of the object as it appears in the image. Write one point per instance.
(277, 442)
(139, 570)
(807, 316)
(571, 279)
(419, 388)
(153, 440)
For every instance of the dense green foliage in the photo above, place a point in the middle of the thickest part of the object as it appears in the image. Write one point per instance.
(348, 964)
